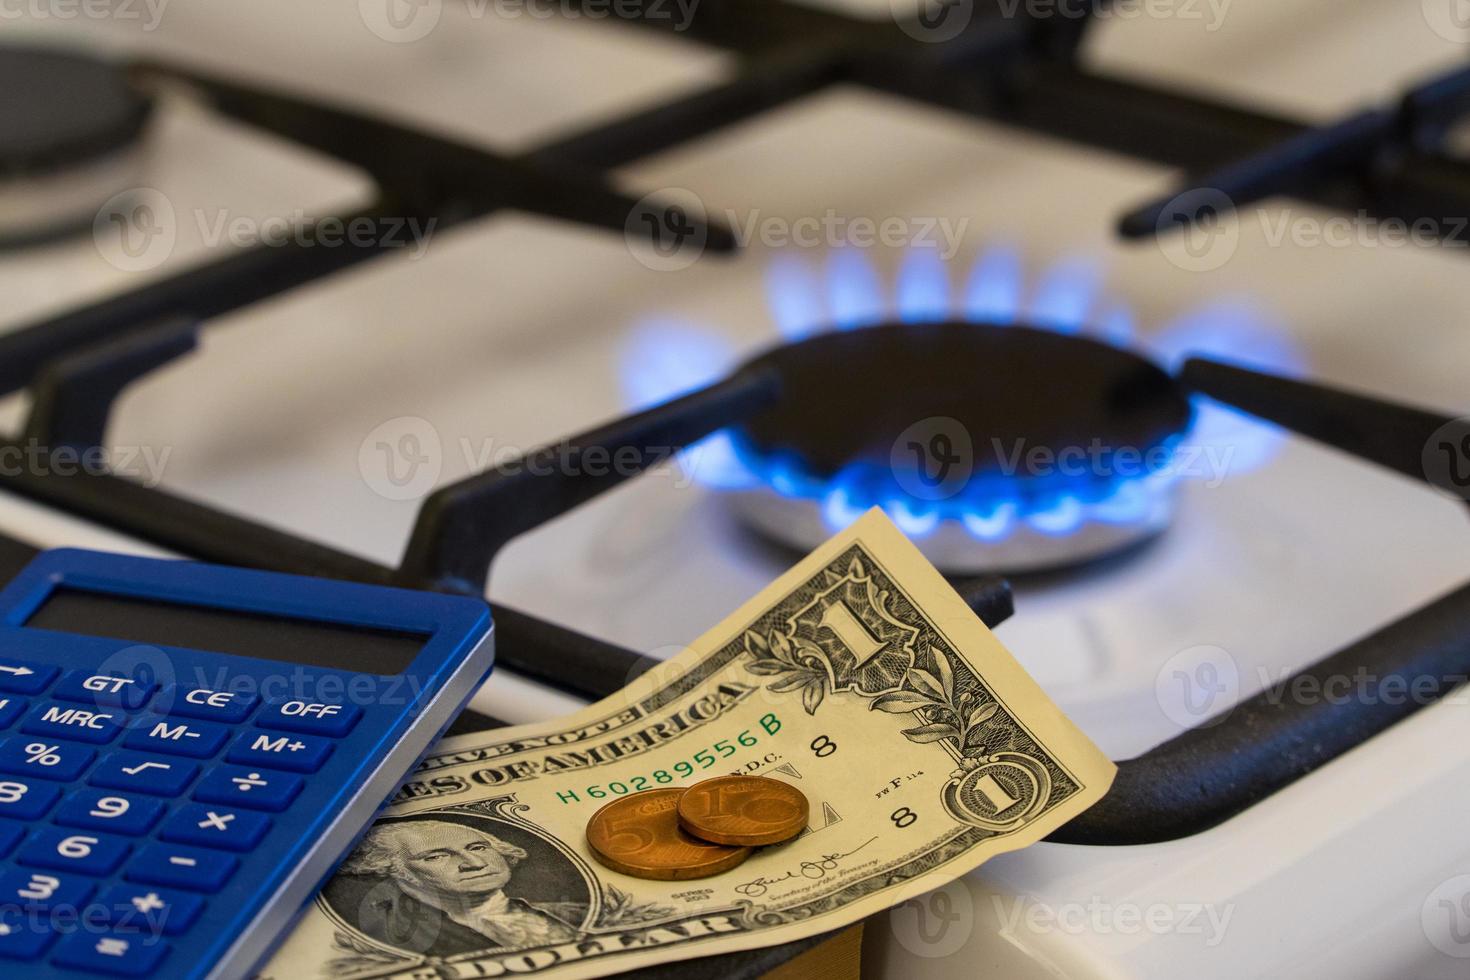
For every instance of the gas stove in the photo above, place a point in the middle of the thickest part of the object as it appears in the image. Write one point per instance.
(347, 278)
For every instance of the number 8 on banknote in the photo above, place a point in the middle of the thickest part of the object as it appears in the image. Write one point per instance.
(859, 677)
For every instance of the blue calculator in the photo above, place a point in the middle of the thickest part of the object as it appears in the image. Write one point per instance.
(187, 751)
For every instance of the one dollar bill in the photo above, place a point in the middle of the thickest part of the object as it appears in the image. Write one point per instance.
(859, 676)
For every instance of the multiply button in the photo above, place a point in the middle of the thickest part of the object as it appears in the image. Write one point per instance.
(105, 690)
(68, 721)
(208, 704)
(215, 827)
(295, 753)
(18, 677)
(310, 717)
(198, 739)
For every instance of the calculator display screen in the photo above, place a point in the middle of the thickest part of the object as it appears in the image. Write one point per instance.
(299, 641)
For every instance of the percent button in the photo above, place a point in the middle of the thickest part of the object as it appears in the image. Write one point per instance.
(44, 758)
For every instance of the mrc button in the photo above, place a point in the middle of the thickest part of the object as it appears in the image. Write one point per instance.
(310, 717)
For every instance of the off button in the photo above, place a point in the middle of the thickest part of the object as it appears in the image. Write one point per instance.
(310, 717)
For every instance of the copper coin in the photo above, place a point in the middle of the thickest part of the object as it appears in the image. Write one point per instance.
(744, 810)
(639, 835)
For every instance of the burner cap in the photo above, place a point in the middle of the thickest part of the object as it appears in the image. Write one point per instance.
(67, 120)
(1002, 447)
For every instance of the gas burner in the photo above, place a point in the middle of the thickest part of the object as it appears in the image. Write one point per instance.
(997, 448)
(1005, 425)
(71, 128)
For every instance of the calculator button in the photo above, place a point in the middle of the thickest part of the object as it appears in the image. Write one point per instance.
(104, 690)
(11, 708)
(26, 755)
(150, 910)
(71, 721)
(143, 774)
(23, 799)
(96, 810)
(310, 717)
(181, 867)
(296, 753)
(23, 936)
(215, 826)
(9, 834)
(207, 704)
(250, 788)
(66, 850)
(43, 890)
(19, 677)
(122, 954)
(198, 739)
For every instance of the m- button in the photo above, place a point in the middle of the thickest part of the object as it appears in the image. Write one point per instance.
(294, 753)
(197, 739)
(310, 717)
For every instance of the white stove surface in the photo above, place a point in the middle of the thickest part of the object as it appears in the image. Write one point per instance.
(512, 331)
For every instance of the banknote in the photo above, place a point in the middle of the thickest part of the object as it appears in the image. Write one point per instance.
(859, 676)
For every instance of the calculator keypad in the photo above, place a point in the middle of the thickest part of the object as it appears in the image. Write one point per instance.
(19, 677)
(142, 811)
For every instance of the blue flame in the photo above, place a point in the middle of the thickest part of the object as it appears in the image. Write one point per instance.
(993, 292)
(665, 360)
(854, 292)
(1236, 331)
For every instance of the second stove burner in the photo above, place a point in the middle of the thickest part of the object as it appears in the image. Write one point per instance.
(70, 131)
(999, 447)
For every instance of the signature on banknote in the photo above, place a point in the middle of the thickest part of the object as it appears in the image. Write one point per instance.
(811, 870)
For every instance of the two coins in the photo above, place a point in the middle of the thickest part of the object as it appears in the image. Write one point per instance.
(709, 828)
